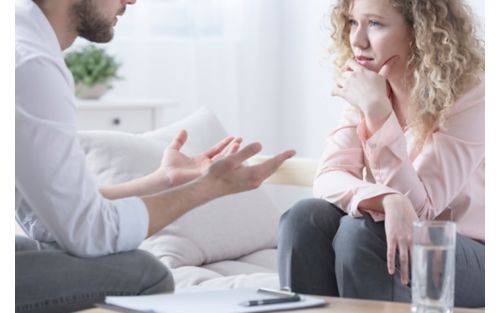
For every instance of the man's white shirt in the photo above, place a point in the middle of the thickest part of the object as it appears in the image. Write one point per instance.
(57, 198)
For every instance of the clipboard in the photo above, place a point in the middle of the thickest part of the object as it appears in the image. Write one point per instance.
(209, 301)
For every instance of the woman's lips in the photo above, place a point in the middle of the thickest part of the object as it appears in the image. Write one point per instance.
(364, 60)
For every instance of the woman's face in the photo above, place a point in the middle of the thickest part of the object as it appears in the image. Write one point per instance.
(379, 32)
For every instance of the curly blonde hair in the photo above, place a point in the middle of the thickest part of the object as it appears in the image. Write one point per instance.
(447, 58)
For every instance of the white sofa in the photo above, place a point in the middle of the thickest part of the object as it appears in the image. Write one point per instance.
(229, 242)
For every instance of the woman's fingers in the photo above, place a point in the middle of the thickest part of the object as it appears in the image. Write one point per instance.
(403, 249)
(346, 74)
(403, 263)
(353, 65)
(338, 89)
(335, 91)
(391, 255)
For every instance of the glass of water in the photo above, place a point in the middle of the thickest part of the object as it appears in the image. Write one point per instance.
(433, 267)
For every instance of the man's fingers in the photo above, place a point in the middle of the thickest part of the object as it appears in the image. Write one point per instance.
(179, 140)
(278, 159)
(228, 148)
(219, 147)
(245, 153)
(231, 148)
(234, 147)
(265, 169)
(386, 68)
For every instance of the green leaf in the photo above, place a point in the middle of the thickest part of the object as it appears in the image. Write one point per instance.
(91, 65)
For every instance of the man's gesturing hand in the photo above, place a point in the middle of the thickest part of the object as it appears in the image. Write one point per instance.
(229, 174)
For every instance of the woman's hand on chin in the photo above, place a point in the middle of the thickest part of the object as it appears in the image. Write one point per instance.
(367, 91)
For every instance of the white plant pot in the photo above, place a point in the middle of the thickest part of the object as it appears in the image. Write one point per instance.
(94, 92)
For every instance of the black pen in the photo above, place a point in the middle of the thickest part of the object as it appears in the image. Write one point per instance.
(271, 301)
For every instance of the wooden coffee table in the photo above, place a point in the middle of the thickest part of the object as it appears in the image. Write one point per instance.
(343, 305)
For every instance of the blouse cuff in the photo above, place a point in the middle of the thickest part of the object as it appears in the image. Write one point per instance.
(386, 135)
(361, 195)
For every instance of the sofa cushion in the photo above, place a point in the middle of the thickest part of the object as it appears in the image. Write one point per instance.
(192, 277)
(225, 228)
(257, 269)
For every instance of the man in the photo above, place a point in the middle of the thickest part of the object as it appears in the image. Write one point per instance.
(82, 240)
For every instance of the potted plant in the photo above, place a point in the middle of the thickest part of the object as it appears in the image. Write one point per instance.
(93, 70)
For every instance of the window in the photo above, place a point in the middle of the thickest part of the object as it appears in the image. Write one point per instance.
(160, 19)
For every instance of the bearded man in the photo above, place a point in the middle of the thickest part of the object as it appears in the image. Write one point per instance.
(82, 239)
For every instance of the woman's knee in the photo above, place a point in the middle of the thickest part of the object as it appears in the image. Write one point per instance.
(308, 212)
(309, 220)
(356, 238)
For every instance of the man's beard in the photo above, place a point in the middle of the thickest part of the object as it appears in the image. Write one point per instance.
(90, 25)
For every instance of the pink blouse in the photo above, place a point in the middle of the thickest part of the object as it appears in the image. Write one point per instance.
(443, 180)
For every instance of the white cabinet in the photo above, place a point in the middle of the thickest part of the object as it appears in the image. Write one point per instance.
(135, 116)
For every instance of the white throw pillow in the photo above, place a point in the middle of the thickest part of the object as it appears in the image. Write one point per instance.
(226, 228)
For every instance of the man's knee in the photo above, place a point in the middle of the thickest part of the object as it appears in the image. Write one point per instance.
(155, 276)
(25, 244)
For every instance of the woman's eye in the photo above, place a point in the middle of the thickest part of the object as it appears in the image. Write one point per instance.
(353, 22)
(374, 23)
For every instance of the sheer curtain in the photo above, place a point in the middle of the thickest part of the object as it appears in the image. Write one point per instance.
(261, 65)
(183, 51)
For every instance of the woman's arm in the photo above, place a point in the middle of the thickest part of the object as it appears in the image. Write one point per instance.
(340, 181)
(340, 174)
(433, 177)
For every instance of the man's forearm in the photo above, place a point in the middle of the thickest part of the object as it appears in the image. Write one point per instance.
(165, 207)
(143, 186)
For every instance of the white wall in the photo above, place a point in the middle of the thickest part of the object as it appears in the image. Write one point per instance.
(269, 81)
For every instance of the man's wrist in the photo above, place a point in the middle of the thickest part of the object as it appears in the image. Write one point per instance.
(207, 188)
(160, 180)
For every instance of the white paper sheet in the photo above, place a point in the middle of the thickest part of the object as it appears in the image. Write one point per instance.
(214, 301)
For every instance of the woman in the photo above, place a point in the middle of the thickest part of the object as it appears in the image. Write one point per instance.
(410, 146)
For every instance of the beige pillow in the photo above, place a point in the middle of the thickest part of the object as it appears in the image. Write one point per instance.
(226, 228)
